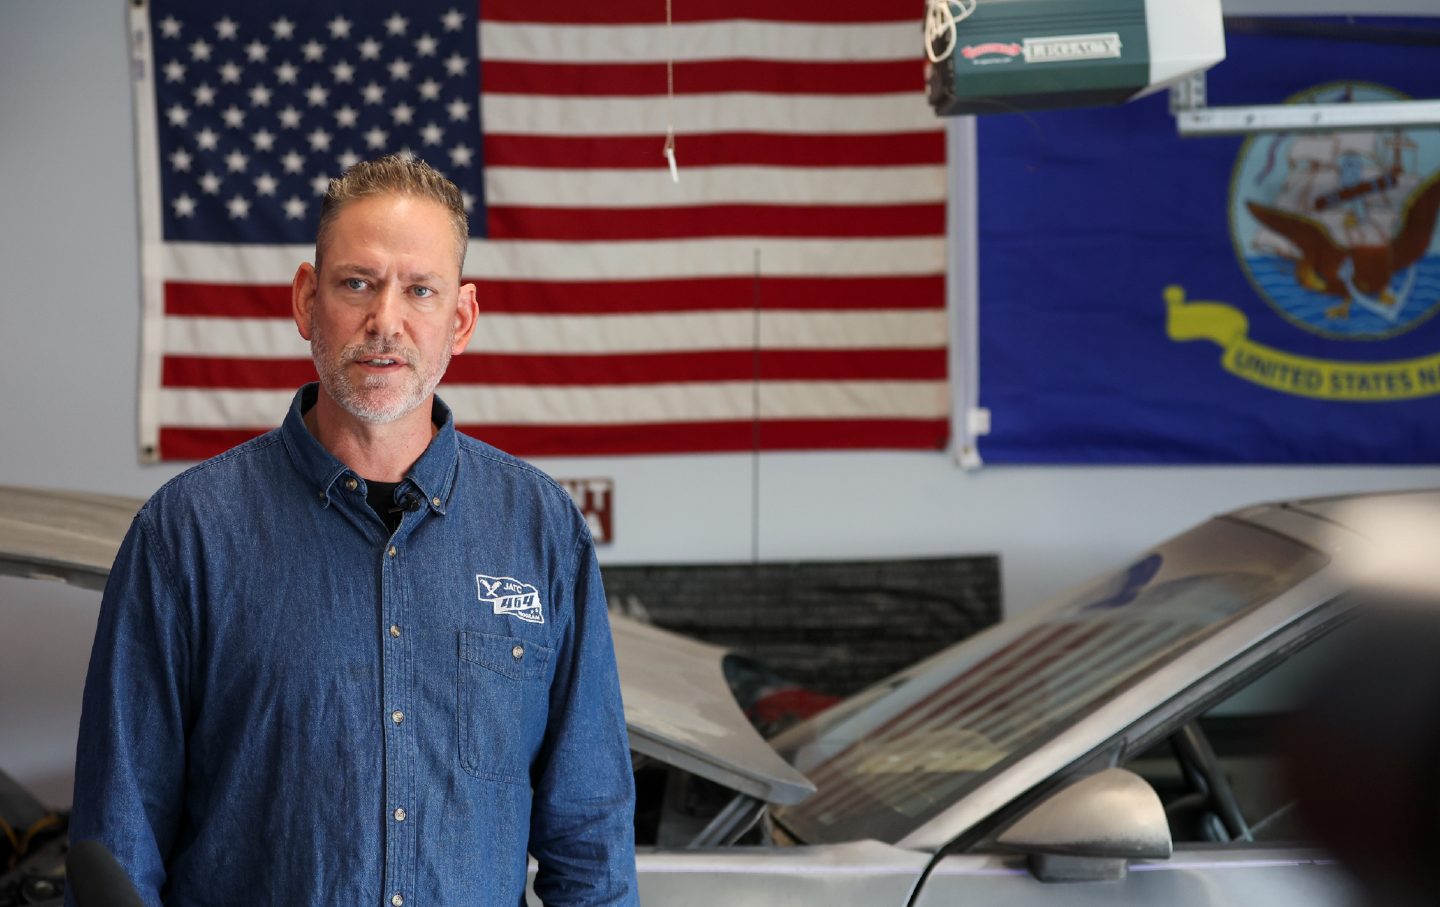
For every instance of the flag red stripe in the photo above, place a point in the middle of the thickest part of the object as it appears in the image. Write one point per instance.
(703, 77)
(608, 297)
(201, 443)
(714, 294)
(926, 291)
(239, 374)
(178, 443)
(716, 149)
(715, 220)
(227, 300)
(588, 371)
(681, 437)
(647, 12)
(713, 365)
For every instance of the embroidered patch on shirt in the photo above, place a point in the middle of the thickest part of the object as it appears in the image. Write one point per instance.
(507, 595)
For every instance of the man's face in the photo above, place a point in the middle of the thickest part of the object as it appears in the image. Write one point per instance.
(385, 311)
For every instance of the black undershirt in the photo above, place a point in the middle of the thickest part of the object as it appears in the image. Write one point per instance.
(381, 498)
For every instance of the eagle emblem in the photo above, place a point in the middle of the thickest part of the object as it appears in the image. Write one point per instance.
(1337, 229)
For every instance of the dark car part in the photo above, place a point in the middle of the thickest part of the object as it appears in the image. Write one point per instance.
(98, 879)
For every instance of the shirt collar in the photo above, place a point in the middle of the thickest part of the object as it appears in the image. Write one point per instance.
(433, 474)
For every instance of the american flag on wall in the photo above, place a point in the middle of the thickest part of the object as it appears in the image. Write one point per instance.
(787, 293)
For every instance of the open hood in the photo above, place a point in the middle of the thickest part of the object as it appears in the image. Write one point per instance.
(71, 536)
(680, 710)
(678, 706)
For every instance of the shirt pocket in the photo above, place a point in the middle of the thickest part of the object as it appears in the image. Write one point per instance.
(502, 704)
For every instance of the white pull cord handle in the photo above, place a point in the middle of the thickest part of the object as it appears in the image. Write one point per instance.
(940, 19)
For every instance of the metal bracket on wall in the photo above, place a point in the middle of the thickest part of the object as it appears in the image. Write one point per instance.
(1194, 119)
(1188, 94)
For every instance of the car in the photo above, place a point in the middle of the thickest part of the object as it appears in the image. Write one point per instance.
(1113, 745)
(1109, 746)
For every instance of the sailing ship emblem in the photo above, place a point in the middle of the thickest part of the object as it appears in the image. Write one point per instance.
(1337, 230)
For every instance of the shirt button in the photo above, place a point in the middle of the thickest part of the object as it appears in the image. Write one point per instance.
(397, 716)
(435, 501)
(392, 552)
(351, 484)
(400, 814)
(397, 900)
(395, 631)
(518, 651)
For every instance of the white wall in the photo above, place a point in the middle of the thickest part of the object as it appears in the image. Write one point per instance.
(69, 326)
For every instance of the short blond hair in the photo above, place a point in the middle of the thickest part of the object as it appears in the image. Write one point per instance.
(393, 174)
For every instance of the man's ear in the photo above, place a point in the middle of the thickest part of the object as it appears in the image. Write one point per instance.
(466, 314)
(302, 297)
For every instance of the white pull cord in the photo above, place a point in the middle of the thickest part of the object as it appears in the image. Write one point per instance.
(669, 150)
(669, 153)
(940, 21)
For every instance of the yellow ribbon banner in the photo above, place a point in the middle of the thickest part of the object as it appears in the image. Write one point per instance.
(1323, 379)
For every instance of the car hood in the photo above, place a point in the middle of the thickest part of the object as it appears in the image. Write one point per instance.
(678, 706)
(71, 536)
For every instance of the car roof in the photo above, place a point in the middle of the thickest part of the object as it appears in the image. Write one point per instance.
(678, 706)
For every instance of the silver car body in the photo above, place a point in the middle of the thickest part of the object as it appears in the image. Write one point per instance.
(680, 712)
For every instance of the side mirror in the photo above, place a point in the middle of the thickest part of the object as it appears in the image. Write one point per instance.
(1090, 829)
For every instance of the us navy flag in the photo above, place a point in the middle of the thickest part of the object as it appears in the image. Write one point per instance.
(1152, 299)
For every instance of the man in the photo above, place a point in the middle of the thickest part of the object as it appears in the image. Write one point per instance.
(361, 659)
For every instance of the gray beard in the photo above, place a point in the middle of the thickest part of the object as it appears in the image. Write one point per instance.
(354, 400)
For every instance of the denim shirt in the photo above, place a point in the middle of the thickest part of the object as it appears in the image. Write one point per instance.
(287, 704)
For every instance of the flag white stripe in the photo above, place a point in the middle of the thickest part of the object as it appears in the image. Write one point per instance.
(603, 405)
(701, 113)
(550, 187)
(525, 42)
(234, 263)
(625, 260)
(234, 338)
(726, 257)
(276, 338)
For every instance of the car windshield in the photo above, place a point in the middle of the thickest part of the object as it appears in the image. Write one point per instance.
(905, 750)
